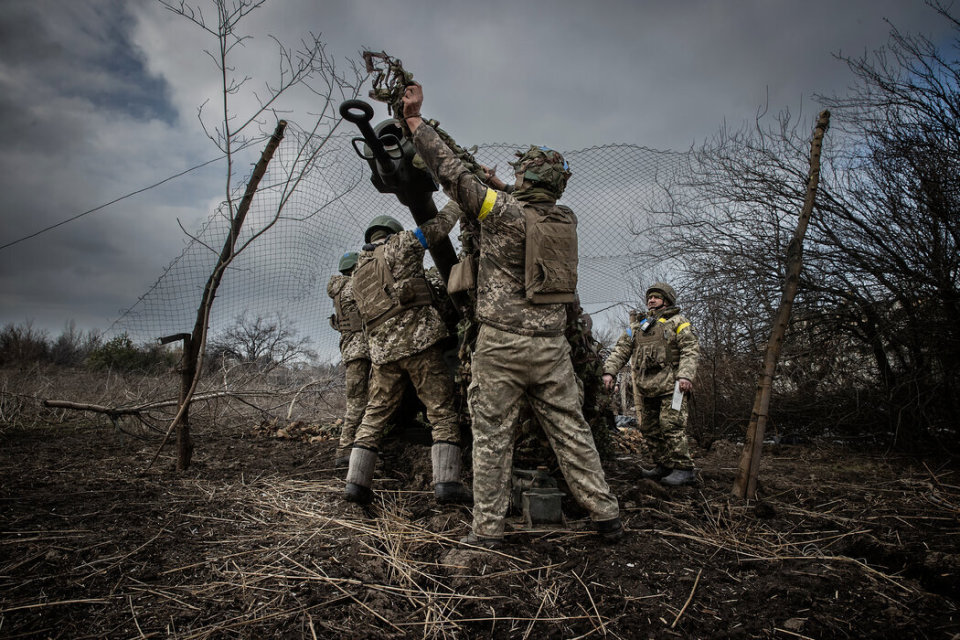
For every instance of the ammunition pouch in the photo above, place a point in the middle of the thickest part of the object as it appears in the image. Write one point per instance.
(345, 321)
(463, 275)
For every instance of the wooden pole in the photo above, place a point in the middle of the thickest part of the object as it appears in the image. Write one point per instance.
(745, 486)
(194, 346)
(187, 373)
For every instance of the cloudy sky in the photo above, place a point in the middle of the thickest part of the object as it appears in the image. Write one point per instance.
(99, 99)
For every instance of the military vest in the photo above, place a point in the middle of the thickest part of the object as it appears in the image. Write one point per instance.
(656, 347)
(344, 320)
(550, 264)
(379, 297)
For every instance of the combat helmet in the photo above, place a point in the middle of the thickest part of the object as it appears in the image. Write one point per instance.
(390, 225)
(347, 262)
(669, 295)
(544, 167)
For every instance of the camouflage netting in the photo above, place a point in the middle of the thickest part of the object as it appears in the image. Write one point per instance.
(286, 270)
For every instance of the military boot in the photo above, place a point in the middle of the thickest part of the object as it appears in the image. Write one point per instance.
(360, 476)
(447, 487)
(609, 530)
(473, 540)
(680, 477)
(656, 473)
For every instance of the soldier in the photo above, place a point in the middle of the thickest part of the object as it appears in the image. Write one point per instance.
(353, 352)
(527, 272)
(663, 351)
(403, 329)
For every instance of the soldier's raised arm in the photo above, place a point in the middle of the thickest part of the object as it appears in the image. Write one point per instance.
(457, 181)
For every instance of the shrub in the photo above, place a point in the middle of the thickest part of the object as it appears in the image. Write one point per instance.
(121, 354)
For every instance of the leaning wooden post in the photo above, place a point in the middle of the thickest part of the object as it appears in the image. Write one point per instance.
(745, 485)
(188, 367)
(195, 345)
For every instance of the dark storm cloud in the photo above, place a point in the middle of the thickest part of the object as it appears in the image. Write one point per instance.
(98, 98)
(77, 49)
(79, 120)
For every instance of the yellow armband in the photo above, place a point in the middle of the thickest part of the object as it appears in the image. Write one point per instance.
(488, 202)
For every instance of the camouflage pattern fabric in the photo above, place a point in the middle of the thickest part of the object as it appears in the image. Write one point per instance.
(357, 378)
(521, 351)
(665, 352)
(353, 344)
(412, 330)
(663, 432)
(434, 386)
(501, 296)
(507, 367)
(588, 365)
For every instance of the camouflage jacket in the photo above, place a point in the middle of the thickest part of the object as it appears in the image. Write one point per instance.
(353, 344)
(415, 329)
(667, 350)
(501, 296)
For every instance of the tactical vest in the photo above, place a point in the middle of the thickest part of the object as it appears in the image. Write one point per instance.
(379, 297)
(344, 321)
(550, 267)
(654, 348)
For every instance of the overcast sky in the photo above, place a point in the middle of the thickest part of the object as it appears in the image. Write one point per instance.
(99, 98)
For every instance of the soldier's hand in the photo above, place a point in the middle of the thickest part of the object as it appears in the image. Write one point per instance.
(490, 176)
(608, 381)
(686, 386)
(412, 100)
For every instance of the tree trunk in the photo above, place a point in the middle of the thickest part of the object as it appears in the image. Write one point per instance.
(745, 485)
(194, 346)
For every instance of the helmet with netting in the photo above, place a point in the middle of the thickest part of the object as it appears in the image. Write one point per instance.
(665, 290)
(347, 262)
(544, 167)
(386, 223)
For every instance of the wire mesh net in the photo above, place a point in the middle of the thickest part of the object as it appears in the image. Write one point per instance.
(285, 270)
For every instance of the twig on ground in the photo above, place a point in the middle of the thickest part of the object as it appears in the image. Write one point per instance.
(689, 599)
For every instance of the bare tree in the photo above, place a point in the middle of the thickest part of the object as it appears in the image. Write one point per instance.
(267, 343)
(879, 293)
(894, 224)
(308, 69)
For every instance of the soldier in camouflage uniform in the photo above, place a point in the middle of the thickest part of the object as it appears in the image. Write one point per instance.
(403, 329)
(662, 350)
(353, 352)
(521, 349)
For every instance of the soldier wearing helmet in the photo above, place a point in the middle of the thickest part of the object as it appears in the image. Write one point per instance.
(354, 352)
(663, 352)
(403, 330)
(526, 276)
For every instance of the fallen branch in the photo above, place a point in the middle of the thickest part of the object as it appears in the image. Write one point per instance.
(136, 410)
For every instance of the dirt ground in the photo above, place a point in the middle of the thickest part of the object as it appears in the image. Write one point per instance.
(253, 541)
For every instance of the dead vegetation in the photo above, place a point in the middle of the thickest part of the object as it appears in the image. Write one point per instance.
(253, 541)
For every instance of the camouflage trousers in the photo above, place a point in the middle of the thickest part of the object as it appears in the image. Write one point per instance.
(434, 386)
(358, 374)
(506, 367)
(664, 433)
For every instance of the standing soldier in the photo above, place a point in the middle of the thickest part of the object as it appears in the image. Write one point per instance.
(353, 352)
(403, 329)
(663, 353)
(527, 272)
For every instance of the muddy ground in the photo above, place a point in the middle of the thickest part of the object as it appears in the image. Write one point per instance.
(253, 541)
